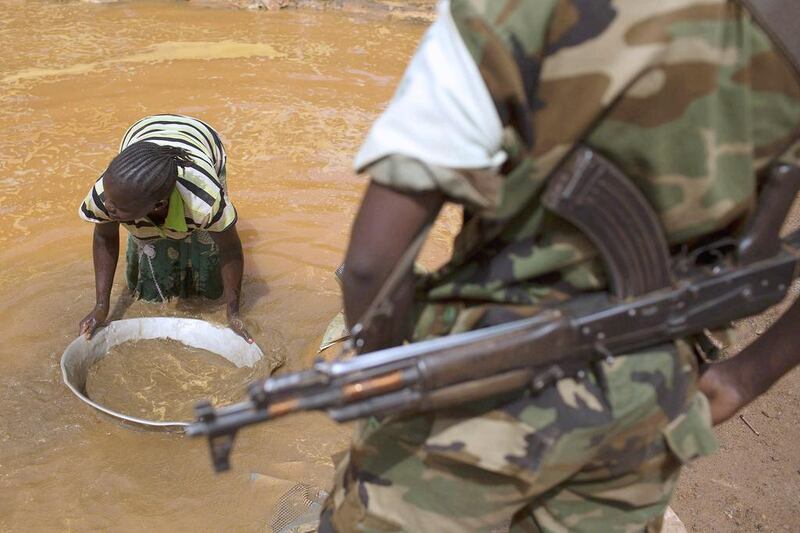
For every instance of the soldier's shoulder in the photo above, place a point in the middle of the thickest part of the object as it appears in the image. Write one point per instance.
(569, 23)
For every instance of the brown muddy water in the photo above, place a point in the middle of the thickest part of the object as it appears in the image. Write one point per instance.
(292, 93)
(162, 379)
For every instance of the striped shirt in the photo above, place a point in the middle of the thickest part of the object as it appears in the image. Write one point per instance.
(200, 194)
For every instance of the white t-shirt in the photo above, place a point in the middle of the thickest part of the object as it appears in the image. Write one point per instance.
(442, 113)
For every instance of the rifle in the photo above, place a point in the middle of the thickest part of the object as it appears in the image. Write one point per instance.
(651, 300)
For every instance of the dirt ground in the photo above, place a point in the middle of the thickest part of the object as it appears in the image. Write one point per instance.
(753, 482)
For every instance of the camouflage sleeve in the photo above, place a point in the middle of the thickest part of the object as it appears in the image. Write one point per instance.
(476, 188)
(508, 41)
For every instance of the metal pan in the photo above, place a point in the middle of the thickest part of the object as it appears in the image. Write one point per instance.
(81, 354)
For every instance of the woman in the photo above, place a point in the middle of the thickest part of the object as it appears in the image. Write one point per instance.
(167, 187)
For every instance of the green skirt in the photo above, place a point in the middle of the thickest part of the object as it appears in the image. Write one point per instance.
(188, 267)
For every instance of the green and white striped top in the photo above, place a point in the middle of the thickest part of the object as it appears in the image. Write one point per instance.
(200, 198)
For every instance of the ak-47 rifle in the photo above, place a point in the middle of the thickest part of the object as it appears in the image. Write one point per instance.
(650, 301)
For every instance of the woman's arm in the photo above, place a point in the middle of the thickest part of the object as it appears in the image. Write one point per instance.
(105, 253)
(232, 266)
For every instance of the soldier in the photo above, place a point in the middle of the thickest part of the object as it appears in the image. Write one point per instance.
(692, 100)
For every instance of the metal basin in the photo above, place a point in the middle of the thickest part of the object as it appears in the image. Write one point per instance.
(81, 354)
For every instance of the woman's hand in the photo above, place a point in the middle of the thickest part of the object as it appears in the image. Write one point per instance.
(105, 252)
(92, 321)
(237, 325)
(232, 266)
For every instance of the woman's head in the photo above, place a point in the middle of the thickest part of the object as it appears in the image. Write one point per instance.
(141, 178)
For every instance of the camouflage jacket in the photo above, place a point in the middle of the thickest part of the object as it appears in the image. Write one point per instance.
(689, 97)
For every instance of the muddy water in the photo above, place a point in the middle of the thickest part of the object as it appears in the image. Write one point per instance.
(161, 379)
(292, 93)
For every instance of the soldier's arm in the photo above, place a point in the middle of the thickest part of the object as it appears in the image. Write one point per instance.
(735, 382)
(387, 222)
(440, 137)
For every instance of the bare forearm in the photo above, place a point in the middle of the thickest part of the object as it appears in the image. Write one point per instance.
(358, 294)
(387, 224)
(735, 382)
(769, 357)
(105, 254)
(231, 266)
(232, 271)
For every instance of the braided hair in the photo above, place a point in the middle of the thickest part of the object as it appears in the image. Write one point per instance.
(145, 170)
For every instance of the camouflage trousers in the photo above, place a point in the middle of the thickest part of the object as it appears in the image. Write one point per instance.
(600, 453)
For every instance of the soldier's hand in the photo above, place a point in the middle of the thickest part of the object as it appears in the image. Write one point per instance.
(723, 391)
(92, 321)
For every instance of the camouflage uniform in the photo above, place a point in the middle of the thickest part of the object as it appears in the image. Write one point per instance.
(691, 99)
